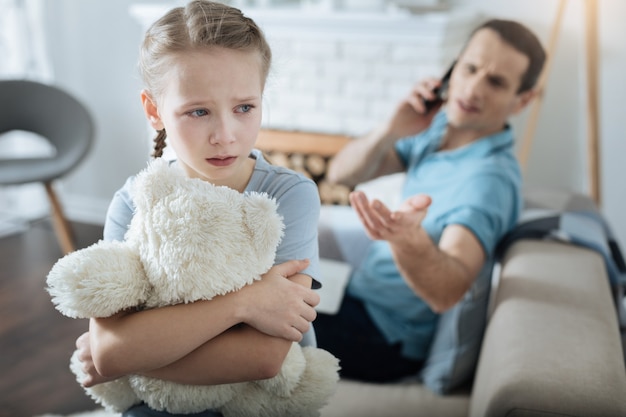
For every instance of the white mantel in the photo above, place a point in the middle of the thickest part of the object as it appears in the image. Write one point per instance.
(392, 24)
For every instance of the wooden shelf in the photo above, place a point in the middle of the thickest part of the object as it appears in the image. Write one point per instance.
(300, 142)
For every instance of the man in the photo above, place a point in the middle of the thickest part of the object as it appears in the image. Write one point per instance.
(461, 195)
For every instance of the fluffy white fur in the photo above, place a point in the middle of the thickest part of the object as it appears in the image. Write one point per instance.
(189, 241)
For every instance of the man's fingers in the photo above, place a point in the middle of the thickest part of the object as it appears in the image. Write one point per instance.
(420, 201)
(368, 216)
(416, 101)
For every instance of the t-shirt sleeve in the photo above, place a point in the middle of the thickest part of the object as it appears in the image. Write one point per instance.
(300, 208)
(490, 209)
(403, 150)
(412, 149)
(119, 214)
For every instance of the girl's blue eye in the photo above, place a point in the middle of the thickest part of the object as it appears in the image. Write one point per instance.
(198, 113)
(245, 108)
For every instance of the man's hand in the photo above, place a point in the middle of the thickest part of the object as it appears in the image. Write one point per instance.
(83, 344)
(394, 226)
(411, 116)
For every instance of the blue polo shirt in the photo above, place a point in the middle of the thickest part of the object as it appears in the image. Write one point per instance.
(477, 186)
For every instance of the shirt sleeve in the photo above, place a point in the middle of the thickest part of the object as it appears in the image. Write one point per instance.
(490, 209)
(119, 214)
(412, 149)
(300, 208)
(403, 150)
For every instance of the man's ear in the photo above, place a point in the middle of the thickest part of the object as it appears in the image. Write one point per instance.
(523, 99)
(151, 110)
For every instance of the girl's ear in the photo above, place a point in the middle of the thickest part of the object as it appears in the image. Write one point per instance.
(151, 111)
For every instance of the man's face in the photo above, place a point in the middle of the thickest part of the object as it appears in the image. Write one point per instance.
(483, 87)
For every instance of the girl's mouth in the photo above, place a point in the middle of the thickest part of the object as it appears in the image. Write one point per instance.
(221, 161)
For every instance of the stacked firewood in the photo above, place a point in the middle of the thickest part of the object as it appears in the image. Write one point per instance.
(313, 166)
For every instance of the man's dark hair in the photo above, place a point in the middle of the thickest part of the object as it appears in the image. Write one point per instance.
(524, 41)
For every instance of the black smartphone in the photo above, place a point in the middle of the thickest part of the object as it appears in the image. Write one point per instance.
(441, 90)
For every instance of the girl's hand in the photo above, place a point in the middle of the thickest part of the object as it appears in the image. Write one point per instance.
(279, 306)
(83, 344)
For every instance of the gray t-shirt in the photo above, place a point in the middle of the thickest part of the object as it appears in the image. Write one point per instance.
(298, 203)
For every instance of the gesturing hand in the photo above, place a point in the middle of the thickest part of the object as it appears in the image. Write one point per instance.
(278, 306)
(394, 226)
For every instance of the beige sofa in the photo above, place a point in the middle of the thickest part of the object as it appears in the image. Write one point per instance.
(551, 348)
(552, 343)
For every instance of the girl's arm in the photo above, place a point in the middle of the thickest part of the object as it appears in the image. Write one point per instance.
(279, 307)
(240, 354)
(276, 310)
(237, 355)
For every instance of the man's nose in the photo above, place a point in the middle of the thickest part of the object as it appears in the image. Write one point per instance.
(475, 86)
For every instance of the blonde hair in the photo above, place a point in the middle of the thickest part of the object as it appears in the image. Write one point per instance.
(199, 25)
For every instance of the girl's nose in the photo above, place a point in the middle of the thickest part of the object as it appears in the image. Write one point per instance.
(221, 133)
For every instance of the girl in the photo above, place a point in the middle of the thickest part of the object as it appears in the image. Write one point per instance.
(204, 67)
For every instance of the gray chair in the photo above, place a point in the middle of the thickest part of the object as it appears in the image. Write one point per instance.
(57, 116)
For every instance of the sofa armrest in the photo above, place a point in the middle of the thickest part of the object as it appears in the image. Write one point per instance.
(552, 345)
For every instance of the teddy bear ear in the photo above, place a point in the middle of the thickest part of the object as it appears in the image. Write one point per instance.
(157, 180)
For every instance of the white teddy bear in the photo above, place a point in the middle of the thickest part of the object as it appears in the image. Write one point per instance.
(189, 240)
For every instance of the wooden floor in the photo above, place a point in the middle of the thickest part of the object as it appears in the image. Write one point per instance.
(36, 341)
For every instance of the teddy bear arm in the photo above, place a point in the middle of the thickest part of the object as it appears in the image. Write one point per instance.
(98, 281)
(315, 386)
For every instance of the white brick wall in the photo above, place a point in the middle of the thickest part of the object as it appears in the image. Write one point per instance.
(344, 72)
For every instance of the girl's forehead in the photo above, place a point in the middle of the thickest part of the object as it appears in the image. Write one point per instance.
(209, 58)
(215, 70)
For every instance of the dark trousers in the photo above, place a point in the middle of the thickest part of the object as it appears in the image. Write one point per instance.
(363, 352)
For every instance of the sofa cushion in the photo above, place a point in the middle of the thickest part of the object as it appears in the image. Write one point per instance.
(407, 399)
(453, 355)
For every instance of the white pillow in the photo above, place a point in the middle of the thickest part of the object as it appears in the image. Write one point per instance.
(387, 189)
